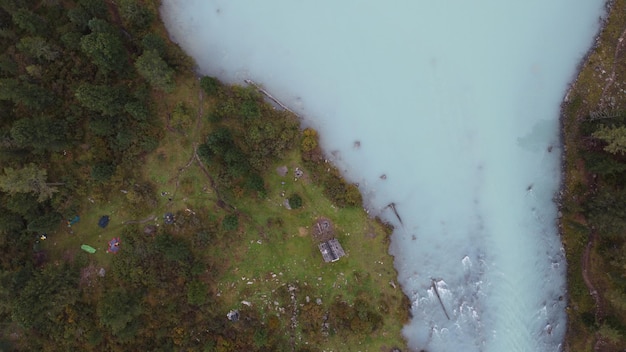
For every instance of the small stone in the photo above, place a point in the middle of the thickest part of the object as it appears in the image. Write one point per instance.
(282, 170)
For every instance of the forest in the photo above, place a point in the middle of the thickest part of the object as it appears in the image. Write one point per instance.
(593, 200)
(214, 249)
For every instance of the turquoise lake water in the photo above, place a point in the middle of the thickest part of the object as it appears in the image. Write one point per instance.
(457, 103)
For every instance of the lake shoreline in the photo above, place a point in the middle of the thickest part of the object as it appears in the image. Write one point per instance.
(273, 56)
(568, 195)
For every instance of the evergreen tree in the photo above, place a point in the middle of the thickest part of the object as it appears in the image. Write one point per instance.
(38, 48)
(40, 133)
(104, 47)
(614, 136)
(137, 16)
(107, 100)
(29, 179)
(29, 21)
(31, 95)
(155, 70)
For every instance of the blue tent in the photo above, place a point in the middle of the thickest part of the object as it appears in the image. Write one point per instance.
(74, 220)
(114, 245)
(104, 221)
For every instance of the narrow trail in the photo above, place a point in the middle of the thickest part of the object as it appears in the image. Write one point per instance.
(586, 264)
(142, 221)
(177, 177)
(220, 201)
(195, 157)
(200, 109)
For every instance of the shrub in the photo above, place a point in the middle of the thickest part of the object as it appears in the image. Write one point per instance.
(295, 201)
(196, 293)
(255, 183)
(181, 117)
(102, 171)
(210, 85)
(230, 222)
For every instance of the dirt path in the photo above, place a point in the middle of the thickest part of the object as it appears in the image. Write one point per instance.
(177, 177)
(200, 110)
(142, 221)
(195, 157)
(586, 266)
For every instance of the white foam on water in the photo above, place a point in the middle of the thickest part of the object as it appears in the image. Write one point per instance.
(457, 103)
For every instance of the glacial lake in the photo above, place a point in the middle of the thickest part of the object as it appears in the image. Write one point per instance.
(447, 109)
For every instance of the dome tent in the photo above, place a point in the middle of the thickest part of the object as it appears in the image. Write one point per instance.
(104, 221)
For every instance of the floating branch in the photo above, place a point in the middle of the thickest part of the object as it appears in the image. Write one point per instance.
(268, 95)
(395, 211)
(434, 286)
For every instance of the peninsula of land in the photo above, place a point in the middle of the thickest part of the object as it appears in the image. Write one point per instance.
(145, 208)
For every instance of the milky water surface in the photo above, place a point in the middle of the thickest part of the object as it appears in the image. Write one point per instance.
(456, 102)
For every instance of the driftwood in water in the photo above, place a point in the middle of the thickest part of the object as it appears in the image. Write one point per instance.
(268, 95)
(395, 211)
(434, 285)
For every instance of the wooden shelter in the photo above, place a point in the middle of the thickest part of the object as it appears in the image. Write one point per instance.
(331, 250)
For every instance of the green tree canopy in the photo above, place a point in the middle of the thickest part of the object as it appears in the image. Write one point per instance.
(7, 65)
(102, 171)
(153, 41)
(29, 21)
(45, 297)
(10, 221)
(230, 222)
(210, 85)
(31, 95)
(38, 48)
(96, 8)
(136, 15)
(104, 46)
(40, 133)
(607, 212)
(295, 201)
(29, 179)
(44, 223)
(155, 70)
(107, 100)
(197, 292)
(79, 17)
(117, 310)
(24, 204)
(614, 136)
